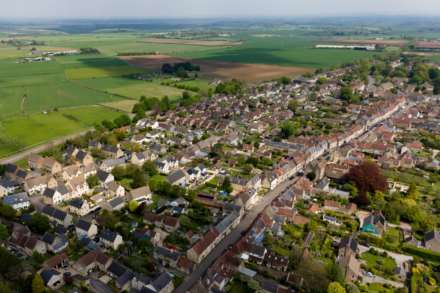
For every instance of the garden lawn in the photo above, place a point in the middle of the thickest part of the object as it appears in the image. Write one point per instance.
(239, 287)
(378, 264)
(22, 132)
(376, 288)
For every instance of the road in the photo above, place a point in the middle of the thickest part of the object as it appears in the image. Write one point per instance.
(244, 225)
(40, 148)
(232, 237)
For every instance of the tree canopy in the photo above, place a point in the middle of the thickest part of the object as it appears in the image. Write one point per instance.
(232, 87)
(37, 284)
(335, 287)
(368, 178)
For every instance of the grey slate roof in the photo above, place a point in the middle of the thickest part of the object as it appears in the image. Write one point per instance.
(115, 202)
(173, 255)
(76, 203)
(54, 213)
(102, 175)
(162, 281)
(108, 235)
(15, 198)
(46, 275)
(176, 176)
(432, 235)
(83, 225)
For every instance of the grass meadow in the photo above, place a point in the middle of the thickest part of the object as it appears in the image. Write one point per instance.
(22, 132)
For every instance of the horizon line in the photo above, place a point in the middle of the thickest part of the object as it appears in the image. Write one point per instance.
(214, 18)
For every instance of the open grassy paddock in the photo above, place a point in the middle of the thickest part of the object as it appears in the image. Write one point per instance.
(21, 132)
(148, 89)
(121, 105)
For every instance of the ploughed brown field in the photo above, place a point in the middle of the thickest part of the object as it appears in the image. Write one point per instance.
(192, 42)
(220, 69)
(393, 43)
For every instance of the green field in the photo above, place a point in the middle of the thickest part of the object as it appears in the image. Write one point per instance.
(148, 89)
(122, 105)
(29, 89)
(23, 132)
(281, 48)
(108, 71)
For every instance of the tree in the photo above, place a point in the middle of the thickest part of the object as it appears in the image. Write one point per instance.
(92, 181)
(133, 205)
(284, 80)
(4, 288)
(186, 95)
(335, 287)
(314, 275)
(287, 129)
(368, 178)
(8, 261)
(139, 179)
(293, 105)
(109, 219)
(348, 95)
(39, 223)
(150, 168)
(37, 284)
(335, 273)
(165, 104)
(180, 72)
(232, 87)
(436, 84)
(4, 234)
(227, 186)
(311, 176)
(413, 193)
(121, 121)
(200, 214)
(434, 73)
(419, 74)
(156, 183)
(108, 124)
(7, 212)
(167, 68)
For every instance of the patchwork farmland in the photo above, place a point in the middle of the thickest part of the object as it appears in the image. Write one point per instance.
(36, 95)
(221, 69)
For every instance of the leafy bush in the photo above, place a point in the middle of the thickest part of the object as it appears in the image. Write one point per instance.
(423, 253)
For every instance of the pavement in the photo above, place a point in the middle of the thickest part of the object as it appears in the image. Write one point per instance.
(232, 238)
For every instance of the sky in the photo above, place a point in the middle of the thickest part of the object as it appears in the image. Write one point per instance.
(60, 9)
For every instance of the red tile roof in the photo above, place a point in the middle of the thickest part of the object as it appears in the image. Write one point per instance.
(205, 241)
